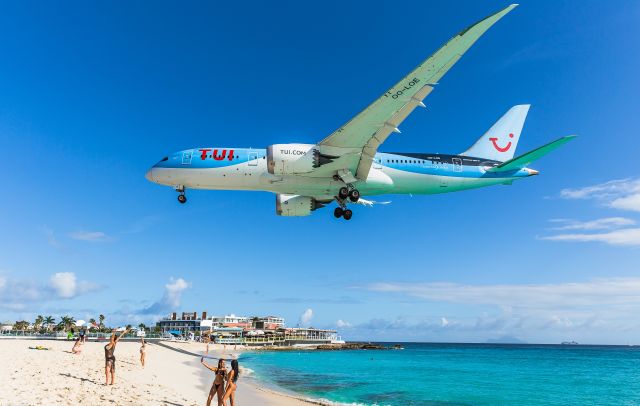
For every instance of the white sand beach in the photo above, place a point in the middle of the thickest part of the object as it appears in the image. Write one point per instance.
(58, 377)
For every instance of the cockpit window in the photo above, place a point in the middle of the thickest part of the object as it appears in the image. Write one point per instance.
(166, 158)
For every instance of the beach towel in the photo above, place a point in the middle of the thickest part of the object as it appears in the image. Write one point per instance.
(39, 347)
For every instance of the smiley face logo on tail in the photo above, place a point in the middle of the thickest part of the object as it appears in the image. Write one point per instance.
(494, 140)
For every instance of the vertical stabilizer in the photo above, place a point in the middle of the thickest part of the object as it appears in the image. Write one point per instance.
(499, 143)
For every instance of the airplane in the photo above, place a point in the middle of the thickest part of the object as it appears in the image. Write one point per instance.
(346, 165)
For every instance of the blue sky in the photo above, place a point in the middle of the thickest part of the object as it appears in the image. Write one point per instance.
(92, 94)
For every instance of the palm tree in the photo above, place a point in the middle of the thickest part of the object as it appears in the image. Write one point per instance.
(66, 322)
(38, 322)
(92, 323)
(21, 325)
(142, 326)
(48, 321)
(101, 318)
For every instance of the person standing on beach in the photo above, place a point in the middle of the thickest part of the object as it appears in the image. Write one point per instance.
(232, 378)
(110, 358)
(218, 382)
(142, 351)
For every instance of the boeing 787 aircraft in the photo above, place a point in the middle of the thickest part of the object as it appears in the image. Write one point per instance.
(347, 165)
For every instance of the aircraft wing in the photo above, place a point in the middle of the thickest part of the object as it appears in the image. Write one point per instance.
(359, 139)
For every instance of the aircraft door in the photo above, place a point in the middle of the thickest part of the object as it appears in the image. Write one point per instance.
(186, 157)
(457, 164)
(253, 159)
(377, 163)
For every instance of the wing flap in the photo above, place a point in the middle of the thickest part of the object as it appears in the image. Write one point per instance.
(367, 130)
(389, 127)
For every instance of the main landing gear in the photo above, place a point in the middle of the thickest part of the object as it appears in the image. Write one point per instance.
(182, 198)
(344, 213)
(345, 192)
(350, 192)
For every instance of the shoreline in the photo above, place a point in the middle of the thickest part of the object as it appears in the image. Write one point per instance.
(172, 376)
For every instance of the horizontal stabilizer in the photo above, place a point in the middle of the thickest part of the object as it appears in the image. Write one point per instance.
(523, 160)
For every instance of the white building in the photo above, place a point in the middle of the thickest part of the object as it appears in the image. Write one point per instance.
(230, 320)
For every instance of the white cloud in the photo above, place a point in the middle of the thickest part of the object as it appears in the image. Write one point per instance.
(15, 293)
(173, 292)
(343, 324)
(597, 292)
(305, 317)
(623, 237)
(594, 311)
(607, 223)
(90, 236)
(171, 298)
(623, 194)
(631, 202)
(64, 284)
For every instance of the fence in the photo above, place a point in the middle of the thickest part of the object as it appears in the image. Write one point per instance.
(62, 335)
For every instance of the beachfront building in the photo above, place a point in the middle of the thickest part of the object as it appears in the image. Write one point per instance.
(230, 320)
(187, 322)
(291, 336)
(267, 323)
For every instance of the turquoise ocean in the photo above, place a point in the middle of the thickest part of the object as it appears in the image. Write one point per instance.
(457, 374)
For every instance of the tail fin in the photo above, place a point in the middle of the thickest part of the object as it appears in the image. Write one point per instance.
(499, 143)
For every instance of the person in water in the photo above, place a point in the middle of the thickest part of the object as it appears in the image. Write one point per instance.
(143, 349)
(218, 382)
(110, 358)
(232, 378)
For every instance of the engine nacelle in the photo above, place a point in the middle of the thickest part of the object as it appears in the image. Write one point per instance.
(295, 205)
(291, 159)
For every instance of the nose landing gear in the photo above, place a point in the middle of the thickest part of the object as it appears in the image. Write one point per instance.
(182, 198)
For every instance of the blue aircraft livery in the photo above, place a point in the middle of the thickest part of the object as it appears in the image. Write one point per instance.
(346, 165)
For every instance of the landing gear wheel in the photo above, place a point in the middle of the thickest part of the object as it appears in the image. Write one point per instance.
(354, 195)
(182, 199)
(347, 214)
(338, 212)
(343, 193)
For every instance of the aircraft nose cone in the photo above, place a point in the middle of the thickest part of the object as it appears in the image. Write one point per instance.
(149, 175)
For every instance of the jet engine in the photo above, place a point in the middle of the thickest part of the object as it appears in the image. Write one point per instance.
(296, 205)
(293, 159)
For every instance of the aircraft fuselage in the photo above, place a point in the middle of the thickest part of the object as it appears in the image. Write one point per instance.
(391, 173)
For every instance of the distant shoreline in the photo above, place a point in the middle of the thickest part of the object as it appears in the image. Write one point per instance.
(313, 346)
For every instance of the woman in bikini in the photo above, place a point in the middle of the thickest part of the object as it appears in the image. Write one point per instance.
(218, 382)
(77, 347)
(232, 377)
(110, 358)
(143, 349)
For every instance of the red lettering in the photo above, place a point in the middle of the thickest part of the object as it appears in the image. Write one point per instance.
(231, 155)
(219, 158)
(203, 156)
